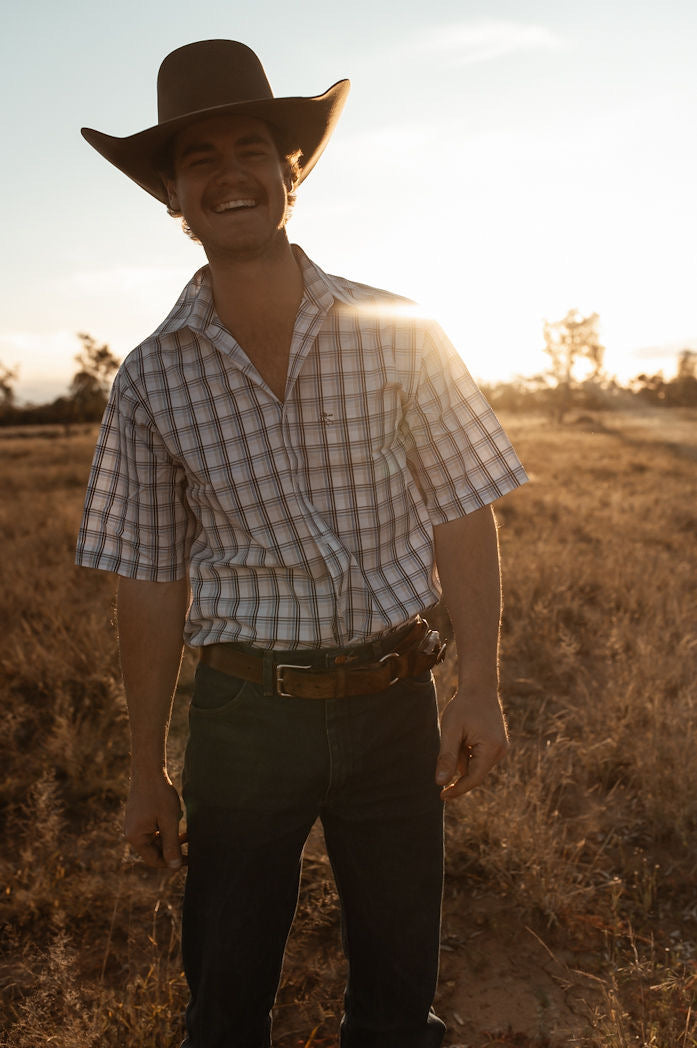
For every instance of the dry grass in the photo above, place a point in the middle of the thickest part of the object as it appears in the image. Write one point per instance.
(586, 837)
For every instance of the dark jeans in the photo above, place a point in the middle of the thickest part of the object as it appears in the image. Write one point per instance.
(259, 770)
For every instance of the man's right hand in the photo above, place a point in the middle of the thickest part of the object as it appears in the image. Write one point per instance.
(153, 813)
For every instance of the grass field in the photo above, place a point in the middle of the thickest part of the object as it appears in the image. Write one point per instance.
(570, 906)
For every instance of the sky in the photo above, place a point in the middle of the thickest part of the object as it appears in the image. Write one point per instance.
(499, 162)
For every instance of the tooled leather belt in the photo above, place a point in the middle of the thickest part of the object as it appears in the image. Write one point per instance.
(407, 652)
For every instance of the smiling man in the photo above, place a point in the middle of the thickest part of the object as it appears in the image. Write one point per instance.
(230, 142)
(290, 471)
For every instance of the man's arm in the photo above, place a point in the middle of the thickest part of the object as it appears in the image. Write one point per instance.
(150, 623)
(473, 730)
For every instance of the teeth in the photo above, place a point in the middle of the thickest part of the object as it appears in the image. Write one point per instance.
(231, 205)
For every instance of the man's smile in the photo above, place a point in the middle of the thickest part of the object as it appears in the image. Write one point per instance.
(234, 205)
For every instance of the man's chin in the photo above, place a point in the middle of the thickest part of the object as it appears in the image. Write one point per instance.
(244, 248)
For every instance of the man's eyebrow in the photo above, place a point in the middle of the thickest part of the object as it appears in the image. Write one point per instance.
(253, 140)
(195, 147)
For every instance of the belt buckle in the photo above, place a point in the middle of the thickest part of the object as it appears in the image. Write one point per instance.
(279, 677)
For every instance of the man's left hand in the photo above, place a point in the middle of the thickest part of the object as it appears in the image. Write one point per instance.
(473, 740)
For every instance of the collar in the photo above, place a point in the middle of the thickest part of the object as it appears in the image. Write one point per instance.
(195, 308)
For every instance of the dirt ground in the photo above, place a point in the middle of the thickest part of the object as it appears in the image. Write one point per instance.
(501, 978)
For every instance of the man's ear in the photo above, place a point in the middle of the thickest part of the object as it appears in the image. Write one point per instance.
(171, 194)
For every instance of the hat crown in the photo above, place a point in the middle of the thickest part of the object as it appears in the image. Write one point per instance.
(206, 74)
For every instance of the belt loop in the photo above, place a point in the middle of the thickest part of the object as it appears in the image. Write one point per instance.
(268, 681)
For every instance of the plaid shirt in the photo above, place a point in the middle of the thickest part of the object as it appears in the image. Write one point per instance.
(306, 523)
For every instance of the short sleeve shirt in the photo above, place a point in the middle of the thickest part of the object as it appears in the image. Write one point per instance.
(303, 523)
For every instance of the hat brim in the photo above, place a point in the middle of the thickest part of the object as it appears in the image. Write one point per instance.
(307, 124)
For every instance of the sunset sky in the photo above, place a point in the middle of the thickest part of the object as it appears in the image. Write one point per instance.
(499, 162)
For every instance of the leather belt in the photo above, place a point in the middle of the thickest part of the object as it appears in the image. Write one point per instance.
(407, 652)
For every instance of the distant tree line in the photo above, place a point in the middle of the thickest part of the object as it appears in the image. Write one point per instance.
(86, 397)
(680, 391)
(574, 378)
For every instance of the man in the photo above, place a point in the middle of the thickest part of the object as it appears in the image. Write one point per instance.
(282, 468)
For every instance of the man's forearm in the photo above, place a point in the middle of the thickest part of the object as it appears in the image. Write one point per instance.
(467, 558)
(150, 618)
(150, 622)
(473, 729)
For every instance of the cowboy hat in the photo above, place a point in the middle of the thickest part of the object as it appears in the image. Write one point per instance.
(219, 78)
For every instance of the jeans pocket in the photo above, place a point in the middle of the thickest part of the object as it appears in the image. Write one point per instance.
(215, 692)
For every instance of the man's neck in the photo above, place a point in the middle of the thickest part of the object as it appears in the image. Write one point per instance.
(257, 300)
(243, 287)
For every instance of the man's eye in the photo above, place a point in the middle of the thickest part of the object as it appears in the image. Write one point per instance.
(196, 160)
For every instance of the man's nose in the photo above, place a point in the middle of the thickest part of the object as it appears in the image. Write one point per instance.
(230, 166)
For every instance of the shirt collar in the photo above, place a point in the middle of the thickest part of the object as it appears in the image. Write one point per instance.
(195, 308)
(321, 288)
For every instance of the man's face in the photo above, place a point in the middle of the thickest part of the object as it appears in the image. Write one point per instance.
(231, 186)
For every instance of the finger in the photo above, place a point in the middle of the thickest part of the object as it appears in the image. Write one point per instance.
(148, 848)
(448, 758)
(464, 783)
(446, 767)
(476, 770)
(170, 845)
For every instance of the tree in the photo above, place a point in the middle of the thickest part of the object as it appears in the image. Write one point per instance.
(89, 388)
(683, 388)
(687, 364)
(568, 343)
(8, 377)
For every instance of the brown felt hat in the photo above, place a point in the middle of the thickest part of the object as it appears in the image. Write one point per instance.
(217, 78)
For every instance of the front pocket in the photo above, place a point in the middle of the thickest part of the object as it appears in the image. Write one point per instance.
(215, 691)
